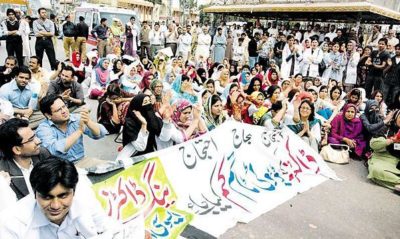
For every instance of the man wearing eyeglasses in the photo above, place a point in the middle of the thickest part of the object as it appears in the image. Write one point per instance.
(22, 150)
(13, 36)
(62, 133)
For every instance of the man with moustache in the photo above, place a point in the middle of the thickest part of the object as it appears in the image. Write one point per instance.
(22, 151)
(62, 133)
(67, 87)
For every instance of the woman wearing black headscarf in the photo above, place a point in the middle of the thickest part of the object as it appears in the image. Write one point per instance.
(141, 126)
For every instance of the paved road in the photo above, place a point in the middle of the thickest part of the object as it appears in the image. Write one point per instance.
(352, 208)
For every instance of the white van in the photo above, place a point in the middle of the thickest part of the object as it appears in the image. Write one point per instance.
(93, 13)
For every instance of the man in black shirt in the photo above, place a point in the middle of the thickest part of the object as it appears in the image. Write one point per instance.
(82, 33)
(69, 36)
(278, 49)
(253, 54)
(377, 62)
(13, 39)
(391, 81)
(9, 70)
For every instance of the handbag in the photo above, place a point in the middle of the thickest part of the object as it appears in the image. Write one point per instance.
(336, 153)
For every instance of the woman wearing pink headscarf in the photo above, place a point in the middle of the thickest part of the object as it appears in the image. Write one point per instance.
(347, 129)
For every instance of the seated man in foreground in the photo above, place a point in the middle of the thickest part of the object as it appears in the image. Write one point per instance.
(62, 133)
(22, 151)
(57, 209)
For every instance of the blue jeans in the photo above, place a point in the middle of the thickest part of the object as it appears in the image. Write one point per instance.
(252, 61)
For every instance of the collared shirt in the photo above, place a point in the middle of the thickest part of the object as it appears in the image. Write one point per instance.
(171, 37)
(156, 37)
(26, 172)
(57, 87)
(40, 25)
(100, 32)
(144, 35)
(18, 98)
(85, 219)
(54, 139)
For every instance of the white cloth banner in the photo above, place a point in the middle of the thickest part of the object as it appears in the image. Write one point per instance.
(238, 171)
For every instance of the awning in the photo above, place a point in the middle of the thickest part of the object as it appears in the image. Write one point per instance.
(19, 2)
(137, 2)
(343, 11)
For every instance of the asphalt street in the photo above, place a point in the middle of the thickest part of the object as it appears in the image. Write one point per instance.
(351, 208)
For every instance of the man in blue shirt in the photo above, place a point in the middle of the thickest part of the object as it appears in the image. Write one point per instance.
(19, 93)
(62, 133)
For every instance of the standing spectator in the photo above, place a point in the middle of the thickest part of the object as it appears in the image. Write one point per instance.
(377, 62)
(278, 49)
(339, 37)
(54, 19)
(252, 48)
(184, 44)
(362, 68)
(392, 41)
(331, 34)
(144, 40)
(229, 46)
(156, 38)
(264, 51)
(100, 33)
(219, 46)
(44, 31)
(25, 30)
(171, 38)
(132, 35)
(291, 58)
(391, 84)
(9, 70)
(82, 34)
(69, 32)
(312, 57)
(350, 71)
(374, 38)
(203, 44)
(11, 28)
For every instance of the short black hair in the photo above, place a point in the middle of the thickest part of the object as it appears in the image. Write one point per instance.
(383, 40)
(103, 20)
(42, 8)
(35, 57)
(46, 103)
(48, 173)
(333, 89)
(13, 58)
(132, 18)
(69, 68)
(9, 136)
(81, 18)
(10, 10)
(24, 70)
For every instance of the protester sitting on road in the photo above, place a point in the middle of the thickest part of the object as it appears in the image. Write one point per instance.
(384, 166)
(68, 88)
(347, 129)
(100, 79)
(9, 71)
(141, 127)
(20, 93)
(6, 110)
(112, 108)
(78, 66)
(59, 207)
(22, 150)
(62, 133)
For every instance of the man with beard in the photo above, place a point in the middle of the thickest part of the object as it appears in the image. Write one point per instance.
(9, 70)
(62, 133)
(13, 36)
(67, 87)
(22, 151)
(19, 92)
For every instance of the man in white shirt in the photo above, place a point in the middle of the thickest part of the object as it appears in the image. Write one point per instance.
(56, 210)
(203, 44)
(392, 41)
(332, 34)
(156, 38)
(184, 44)
(171, 38)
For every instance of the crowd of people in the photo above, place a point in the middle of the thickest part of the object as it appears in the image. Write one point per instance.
(162, 85)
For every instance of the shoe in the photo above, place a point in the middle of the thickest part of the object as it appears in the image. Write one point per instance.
(397, 189)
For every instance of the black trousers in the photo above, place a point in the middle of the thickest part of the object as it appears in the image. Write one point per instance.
(46, 44)
(372, 82)
(14, 48)
(145, 50)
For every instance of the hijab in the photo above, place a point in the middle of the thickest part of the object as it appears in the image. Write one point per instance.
(346, 125)
(145, 83)
(153, 85)
(102, 74)
(181, 105)
(133, 125)
(209, 119)
(75, 62)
